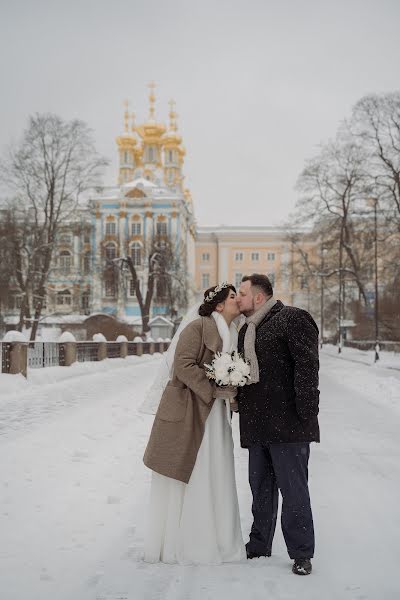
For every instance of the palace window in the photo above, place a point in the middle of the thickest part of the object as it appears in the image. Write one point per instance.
(111, 251)
(161, 228)
(255, 256)
(132, 288)
(151, 154)
(111, 228)
(205, 257)
(109, 288)
(136, 254)
(136, 229)
(238, 280)
(303, 282)
(14, 301)
(271, 256)
(205, 281)
(85, 300)
(64, 298)
(238, 256)
(65, 262)
(86, 263)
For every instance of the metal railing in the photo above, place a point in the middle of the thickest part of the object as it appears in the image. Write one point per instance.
(5, 348)
(113, 350)
(50, 354)
(87, 351)
(43, 354)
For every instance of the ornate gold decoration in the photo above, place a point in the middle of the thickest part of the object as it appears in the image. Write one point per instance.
(135, 193)
(122, 214)
(136, 218)
(126, 116)
(152, 100)
(161, 218)
(148, 214)
(110, 218)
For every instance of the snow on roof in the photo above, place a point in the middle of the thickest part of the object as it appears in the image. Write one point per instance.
(140, 181)
(160, 318)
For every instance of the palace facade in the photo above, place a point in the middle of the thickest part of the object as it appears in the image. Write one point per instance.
(149, 204)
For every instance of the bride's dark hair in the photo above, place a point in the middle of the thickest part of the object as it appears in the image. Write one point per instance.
(209, 306)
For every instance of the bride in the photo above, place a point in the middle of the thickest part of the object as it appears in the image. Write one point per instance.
(193, 510)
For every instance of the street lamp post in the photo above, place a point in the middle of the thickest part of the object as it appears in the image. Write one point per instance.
(374, 203)
(323, 253)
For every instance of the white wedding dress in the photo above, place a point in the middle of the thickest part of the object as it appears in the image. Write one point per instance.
(199, 522)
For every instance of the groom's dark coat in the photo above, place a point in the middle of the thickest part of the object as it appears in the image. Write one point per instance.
(283, 405)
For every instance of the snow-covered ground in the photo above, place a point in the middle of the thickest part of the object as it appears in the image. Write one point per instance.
(74, 492)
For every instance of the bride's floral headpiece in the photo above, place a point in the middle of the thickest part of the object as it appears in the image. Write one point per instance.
(211, 295)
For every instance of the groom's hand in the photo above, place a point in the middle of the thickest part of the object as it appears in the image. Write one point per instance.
(226, 391)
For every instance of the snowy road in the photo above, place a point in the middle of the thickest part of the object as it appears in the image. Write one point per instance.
(74, 491)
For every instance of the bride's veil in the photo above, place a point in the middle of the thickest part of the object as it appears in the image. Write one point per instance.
(164, 373)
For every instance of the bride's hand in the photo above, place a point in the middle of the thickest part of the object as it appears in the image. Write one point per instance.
(234, 406)
(223, 392)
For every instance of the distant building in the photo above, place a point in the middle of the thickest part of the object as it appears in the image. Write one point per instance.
(151, 203)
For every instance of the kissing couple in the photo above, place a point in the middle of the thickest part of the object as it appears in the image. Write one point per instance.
(193, 509)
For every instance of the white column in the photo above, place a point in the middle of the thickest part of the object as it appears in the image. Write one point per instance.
(97, 266)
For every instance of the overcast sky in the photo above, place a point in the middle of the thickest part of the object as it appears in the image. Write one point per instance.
(258, 83)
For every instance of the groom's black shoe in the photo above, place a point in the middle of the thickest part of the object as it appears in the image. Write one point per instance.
(251, 554)
(302, 566)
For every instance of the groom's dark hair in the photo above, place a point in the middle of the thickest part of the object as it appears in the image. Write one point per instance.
(260, 281)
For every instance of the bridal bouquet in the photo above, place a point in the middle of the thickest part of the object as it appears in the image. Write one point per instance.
(228, 368)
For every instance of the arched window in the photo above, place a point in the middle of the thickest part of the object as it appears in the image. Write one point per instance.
(151, 154)
(65, 262)
(64, 298)
(136, 254)
(111, 251)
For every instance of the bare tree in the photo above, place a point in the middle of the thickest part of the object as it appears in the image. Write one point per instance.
(375, 123)
(54, 163)
(333, 196)
(166, 279)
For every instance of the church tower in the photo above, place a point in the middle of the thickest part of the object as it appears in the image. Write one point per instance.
(174, 153)
(128, 150)
(151, 134)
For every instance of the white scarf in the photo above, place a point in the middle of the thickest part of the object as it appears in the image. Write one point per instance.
(229, 336)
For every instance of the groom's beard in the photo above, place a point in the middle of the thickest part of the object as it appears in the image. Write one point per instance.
(249, 312)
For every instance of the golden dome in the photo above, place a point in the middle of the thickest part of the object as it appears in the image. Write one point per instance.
(151, 131)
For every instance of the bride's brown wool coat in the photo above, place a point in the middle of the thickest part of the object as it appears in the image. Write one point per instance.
(187, 400)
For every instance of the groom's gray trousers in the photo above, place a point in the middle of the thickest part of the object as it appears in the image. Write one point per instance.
(284, 467)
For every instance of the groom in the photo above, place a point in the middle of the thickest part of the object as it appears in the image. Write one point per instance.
(278, 418)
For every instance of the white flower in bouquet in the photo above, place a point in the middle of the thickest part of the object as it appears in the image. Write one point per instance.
(236, 378)
(228, 369)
